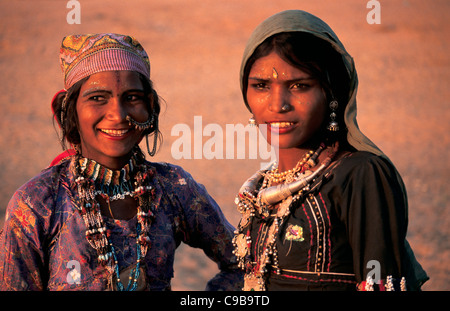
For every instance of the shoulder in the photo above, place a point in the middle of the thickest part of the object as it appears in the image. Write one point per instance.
(364, 161)
(34, 202)
(174, 178)
(42, 188)
(360, 158)
(175, 181)
(365, 181)
(168, 171)
(363, 167)
(46, 181)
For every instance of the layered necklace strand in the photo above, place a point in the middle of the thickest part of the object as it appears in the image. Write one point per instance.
(249, 205)
(308, 161)
(92, 180)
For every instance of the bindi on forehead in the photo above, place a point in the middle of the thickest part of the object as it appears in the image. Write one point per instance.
(274, 73)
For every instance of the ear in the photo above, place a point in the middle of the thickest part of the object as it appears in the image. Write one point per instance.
(57, 102)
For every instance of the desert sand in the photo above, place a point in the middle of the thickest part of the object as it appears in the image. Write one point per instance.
(195, 49)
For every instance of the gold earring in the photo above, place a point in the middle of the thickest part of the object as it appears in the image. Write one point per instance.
(252, 121)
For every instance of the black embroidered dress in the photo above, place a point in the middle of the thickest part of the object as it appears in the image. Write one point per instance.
(354, 215)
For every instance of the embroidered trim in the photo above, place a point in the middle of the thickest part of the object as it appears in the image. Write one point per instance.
(389, 285)
(319, 280)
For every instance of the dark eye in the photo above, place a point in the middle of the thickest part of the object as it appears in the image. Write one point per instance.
(97, 98)
(133, 98)
(260, 85)
(300, 86)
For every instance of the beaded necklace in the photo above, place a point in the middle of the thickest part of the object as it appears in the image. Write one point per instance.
(110, 184)
(308, 161)
(132, 180)
(250, 203)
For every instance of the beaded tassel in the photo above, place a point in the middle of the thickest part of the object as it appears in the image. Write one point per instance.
(389, 284)
(369, 284)
(403, 284)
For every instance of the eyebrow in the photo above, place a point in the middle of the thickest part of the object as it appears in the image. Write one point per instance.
(94, 90)
(288, 81)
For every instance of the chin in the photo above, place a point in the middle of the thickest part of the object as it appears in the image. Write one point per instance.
(120, 155)
(287, 143)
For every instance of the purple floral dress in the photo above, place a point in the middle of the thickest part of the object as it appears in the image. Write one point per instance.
(43, 244)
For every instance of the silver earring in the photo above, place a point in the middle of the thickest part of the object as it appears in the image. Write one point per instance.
(333, 126)
(252, 121)
(155, 138)
(155, 141)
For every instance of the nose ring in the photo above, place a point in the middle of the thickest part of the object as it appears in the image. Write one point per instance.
(141, 125)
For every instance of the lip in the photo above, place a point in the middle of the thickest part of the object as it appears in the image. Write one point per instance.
(281, 127)
(116, 134)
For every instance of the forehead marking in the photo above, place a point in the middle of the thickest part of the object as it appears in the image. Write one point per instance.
(274, 73)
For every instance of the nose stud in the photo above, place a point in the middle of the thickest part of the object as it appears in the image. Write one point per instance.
(286, 107)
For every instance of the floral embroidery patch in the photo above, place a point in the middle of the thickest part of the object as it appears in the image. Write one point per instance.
(25, 216)
(294, 233)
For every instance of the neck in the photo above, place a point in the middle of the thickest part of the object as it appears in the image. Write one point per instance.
(288, 158)
(111, 163)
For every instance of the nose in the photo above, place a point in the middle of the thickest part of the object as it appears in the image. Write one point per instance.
(116, 110)
(279, 101)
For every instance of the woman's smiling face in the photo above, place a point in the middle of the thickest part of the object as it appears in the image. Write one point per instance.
(288, 100)
(103, 104)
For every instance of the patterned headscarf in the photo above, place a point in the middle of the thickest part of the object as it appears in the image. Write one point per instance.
(84, 55)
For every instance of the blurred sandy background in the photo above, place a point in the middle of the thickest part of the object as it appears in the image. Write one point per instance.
(195, 50)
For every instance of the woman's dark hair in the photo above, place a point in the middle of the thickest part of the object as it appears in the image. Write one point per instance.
(312, 55)
(67, 118)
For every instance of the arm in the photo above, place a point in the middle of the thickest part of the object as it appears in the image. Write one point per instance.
(204, 226)
(25, 236)
(376, 221)
(22, 263)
